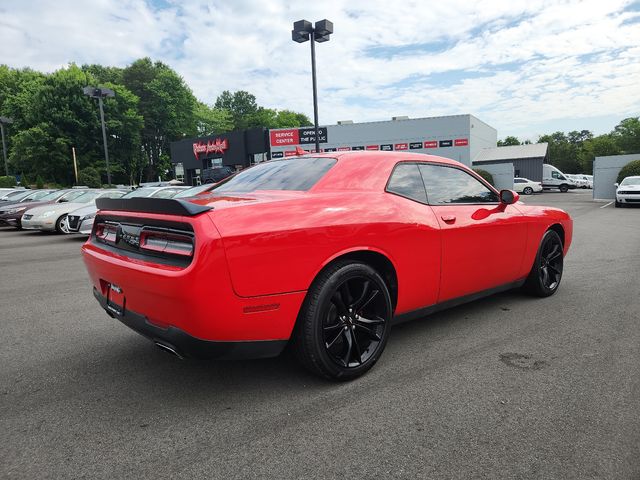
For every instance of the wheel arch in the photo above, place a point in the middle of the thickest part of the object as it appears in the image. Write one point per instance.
(559, 229)
(376, 259)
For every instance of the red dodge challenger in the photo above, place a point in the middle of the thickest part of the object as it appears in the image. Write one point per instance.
(324, 251)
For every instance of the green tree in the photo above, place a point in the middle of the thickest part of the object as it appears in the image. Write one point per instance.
(484, 174)
(212, 120)
(90, 177)
(596, 147)
(167, 105)
(241, 105)
(508, 141)
(562, 153)
(627, 135)
(631, 169)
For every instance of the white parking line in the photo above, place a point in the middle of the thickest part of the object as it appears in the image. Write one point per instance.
(606, 205)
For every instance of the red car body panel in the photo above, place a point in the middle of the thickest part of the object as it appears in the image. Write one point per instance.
(256, 254)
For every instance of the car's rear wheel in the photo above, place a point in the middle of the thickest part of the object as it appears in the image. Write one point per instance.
(564, 188)
(528, 191)
(62, 225)
(546, 273)
(344, 323)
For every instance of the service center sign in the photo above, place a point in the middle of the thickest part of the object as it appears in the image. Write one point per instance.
(297, 136)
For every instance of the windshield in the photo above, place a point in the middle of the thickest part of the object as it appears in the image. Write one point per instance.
(72, 195)
(166, 193)
(35, 195)
(190, 192)
(291, 174)
(15, 196)
(49, 197)
(141, 192)
(631, 181)
(86, 197)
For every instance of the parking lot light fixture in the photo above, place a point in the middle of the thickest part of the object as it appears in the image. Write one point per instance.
(100, 93)
(303, 31)
(5, 121)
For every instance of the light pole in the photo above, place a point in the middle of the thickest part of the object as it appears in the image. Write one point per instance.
(100, 93)
(302, 32)
(4, 121)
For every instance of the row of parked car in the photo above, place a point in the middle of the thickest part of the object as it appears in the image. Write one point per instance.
(73, 210)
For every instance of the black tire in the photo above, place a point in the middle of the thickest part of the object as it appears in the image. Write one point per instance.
(61, 225)
(618, 204)
(546, 273)
(344, 323)
(564, 188)
(528, 191)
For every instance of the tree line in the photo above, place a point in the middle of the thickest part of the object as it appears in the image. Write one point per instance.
(152, 107)
(575, 151)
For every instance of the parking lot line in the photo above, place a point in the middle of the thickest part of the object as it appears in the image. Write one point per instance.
(606, 205)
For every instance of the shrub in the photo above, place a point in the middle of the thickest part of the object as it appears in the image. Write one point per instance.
(39, 182)
(631, 169)
(7, 182)
(484, 174)
(90, 177)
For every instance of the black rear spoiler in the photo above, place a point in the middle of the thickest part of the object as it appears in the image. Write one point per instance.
(167, 206)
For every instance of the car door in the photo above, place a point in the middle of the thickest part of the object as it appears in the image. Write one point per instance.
(418, 243)
(483, 240)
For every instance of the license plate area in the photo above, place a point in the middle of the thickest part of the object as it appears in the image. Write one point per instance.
(115, 299)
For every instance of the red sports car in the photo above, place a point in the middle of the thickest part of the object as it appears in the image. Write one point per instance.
(324, 251)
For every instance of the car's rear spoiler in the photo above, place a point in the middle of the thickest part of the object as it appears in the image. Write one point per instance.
(167, 206)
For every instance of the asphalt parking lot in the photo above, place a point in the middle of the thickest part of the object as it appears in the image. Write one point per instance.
(505, 387)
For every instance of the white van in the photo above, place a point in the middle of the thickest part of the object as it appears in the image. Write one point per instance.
(554, 178)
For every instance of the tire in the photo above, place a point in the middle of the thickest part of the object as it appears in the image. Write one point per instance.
(564, 188)
(546, 273)
(344, 323)
(618, 204)
(528, 191)
(62, 226)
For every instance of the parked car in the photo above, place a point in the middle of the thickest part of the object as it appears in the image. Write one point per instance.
(157, 192)
(554, 178)
(81, 219)
(628, 192)
(13, 195)
(325, 251)
(526, 186)
(588, 179)
(10, 212)
(193, 191)
(12, 215)
(54, 217)
(579, 180)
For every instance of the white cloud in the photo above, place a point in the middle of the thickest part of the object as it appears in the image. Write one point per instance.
(518, 65)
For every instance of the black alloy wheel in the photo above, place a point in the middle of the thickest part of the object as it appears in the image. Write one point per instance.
(546, 272)
(345, 321)
(528, 191)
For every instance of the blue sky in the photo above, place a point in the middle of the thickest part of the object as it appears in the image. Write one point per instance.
(525, 67)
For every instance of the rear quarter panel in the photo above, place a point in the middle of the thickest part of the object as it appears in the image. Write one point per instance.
(280, 247)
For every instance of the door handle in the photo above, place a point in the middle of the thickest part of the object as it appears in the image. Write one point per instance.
(448, 218)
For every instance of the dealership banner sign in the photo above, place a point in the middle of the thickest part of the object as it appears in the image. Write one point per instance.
(212, 146)
(292, 137)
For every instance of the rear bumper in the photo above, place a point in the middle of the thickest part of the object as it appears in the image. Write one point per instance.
(188, 346)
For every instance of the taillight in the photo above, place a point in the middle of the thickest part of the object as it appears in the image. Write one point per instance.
(166, 242)
(106, 232)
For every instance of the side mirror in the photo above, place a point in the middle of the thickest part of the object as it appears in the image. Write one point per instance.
(509, 197)
(616, 185)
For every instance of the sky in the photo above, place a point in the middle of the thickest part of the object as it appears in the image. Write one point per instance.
(524, 67)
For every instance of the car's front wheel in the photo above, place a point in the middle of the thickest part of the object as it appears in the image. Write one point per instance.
(528, 191)
(546, 273)
(62, 225)
(564, 188)
(344, 323)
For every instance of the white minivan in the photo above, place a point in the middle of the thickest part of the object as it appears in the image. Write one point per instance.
(554, 178)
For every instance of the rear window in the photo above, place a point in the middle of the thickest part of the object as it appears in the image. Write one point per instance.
(290, 174)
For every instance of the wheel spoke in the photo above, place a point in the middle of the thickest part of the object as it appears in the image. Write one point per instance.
(330, 328)
(370, 333)
(555, 269)
(355, 344)
(361, 299)
(347, 299)
(339, 303)
(332, 342)
(373, 295)
(347, 356)
(555, 253)
(545, 276)
(370, 321)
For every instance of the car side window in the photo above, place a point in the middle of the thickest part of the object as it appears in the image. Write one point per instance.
(446, 185)
(519, 180)
(405, 180)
